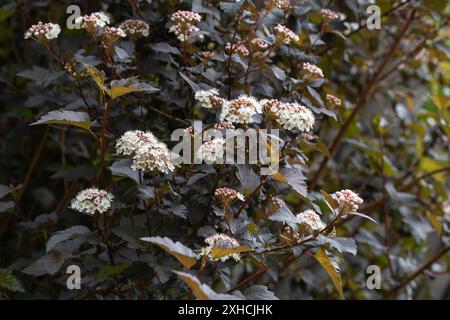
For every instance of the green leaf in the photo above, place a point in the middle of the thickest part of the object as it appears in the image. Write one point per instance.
(9, 281)
(362, 215)
(330, 201)
(435, 5)
(7, 11)
(295, 178)
(72, 118)
(340, 244)
(259, 292)
(428, 165)
(217, 252)
(335, 276)
(63, 235)
(202, 291)
(129, 85)
(108, 271)
(183, 254)
(96, 75)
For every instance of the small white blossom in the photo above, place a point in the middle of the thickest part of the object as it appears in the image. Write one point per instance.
(209, 98)
(348, 201)
(43, 31)
(212, 151)
(92, 200)
(220, 240)
(147, 151)
(311, 220)
(244, 109)
(285, 35)
(290, 115)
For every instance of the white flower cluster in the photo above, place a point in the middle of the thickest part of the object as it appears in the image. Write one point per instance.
(207, 55)
(312, 71)
(332, 101)
(135, 27)
(184, 24)
(329, 15)
(244, 109)
(224, 125)
(348, 201)
(111, 35)
(92, 200)
(290, 115)
(43, 31)
(228, 195)
(259, 44)
(212, 151)
(92, 22)
(220, 240)
(240, 49)
(147, 151)
(282, 4)
(285, 35)
(209, 98)
(311, 220)
(277, 203)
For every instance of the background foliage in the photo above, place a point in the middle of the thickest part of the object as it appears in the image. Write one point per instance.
(388, 141)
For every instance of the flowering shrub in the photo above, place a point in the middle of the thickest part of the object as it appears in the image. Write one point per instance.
(361, 117)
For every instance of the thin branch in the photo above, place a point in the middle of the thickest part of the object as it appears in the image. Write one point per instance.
(394, 292)
(361, 100)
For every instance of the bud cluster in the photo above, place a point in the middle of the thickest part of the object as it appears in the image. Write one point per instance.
(285, 35)
(184, 24)
(348, 201)
(43, 31)
(135, 27)
(312, 71)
